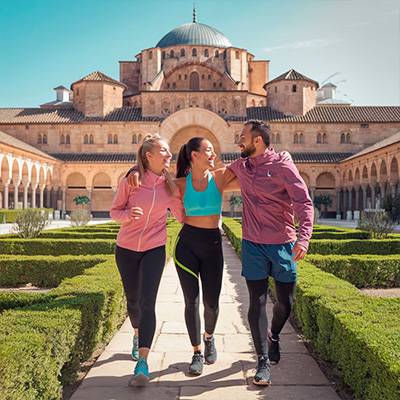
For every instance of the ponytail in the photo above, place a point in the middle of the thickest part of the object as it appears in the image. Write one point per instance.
(183, 165)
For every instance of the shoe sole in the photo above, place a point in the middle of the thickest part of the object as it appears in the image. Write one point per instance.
(261, 383)
(273, 362)
(139, 380)
(135, 358)
(195, 373)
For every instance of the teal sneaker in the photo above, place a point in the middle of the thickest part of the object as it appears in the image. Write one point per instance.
(141, 374)
(263, 374)
(210, 352)
(196, 366)
(135, 348)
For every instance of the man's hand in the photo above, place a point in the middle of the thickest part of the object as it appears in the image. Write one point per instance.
(135, 213)
(298, 252)
(133, 179)
(286, 156)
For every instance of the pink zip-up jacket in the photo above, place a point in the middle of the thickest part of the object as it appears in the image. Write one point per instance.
(271, 190)
(149, 231)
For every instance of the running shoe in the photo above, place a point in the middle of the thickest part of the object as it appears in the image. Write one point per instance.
(196, 366)
(210, 352)
(263, 374)
(274, 354)
(141, 374)
(135, 348)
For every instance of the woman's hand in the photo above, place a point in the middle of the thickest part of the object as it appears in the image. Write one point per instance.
(286, 156)
(135, 213)
(133, 179)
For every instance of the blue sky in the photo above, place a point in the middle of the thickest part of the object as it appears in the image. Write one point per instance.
(47, 43)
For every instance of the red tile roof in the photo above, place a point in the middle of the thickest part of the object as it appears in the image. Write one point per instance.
(98, 76)
(292, 75)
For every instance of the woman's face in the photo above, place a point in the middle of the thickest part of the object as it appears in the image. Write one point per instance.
(205, 155)
(160, 157)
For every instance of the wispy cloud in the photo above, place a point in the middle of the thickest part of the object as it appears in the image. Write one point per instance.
(305, 44)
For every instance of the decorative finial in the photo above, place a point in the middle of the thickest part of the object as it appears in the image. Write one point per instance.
(194, 12)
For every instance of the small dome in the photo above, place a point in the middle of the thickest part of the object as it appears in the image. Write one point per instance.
(194, 34)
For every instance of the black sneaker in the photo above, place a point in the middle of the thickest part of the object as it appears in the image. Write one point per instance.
(274, 354)
(263, 374)
(196, 366)
(210, 352)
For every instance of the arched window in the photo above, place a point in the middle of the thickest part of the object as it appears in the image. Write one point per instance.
(278, 138)
(68, 139)
(115, 139)
(39, 139)
(325, 138)
(134, 138)
(342, 138)
(85, 139)
(194, 81)
(150, 55)
(163, 55)
(194, 52)
(182, 52)
(319, 138)
(109, 141)
(272, 137)
(140, 138)
(216, 54)
(348, 138)
(62, 139)
(237, 138)
(91, 139)
(301, 138)
(206, 53)
(45, 139)
(296, 138)
(172, 54)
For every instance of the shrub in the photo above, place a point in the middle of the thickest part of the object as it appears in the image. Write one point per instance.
(391, 204)
(80, 217)
(376, 223)
(30, 223)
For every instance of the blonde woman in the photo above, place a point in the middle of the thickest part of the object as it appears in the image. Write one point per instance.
(140, 251)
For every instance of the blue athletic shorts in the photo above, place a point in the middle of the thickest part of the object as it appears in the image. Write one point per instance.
(259, 261)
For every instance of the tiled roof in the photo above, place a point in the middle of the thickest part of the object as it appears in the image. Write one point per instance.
(299, 158)
(98, 76)
(96, 157)
(12, 141)
(377, 146)
(61, 87)
(292, 75)
(350, 114)
(67, 116)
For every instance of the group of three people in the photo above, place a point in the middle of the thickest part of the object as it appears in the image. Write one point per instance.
(272, 189)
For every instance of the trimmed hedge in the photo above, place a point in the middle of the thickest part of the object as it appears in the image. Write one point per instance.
(369, 271)
(44, 271)
(77, 235)
(348, 247)
(359, 334)
(10, 215)
(340, 235)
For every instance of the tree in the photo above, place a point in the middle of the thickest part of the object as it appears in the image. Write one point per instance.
(391, 204)
(79, 200)
(323, 200)
(235, 201)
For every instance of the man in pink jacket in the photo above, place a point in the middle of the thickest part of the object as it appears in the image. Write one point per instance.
(272, 191)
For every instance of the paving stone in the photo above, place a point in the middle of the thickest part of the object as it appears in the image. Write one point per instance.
(293, 393)
(240, 343)
(178, 342)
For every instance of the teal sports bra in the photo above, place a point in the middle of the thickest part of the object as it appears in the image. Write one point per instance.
(208, 202)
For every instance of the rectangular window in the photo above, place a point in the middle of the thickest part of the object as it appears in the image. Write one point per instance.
(150, 55)
(179, 77)
(364, 125)
(294, 88)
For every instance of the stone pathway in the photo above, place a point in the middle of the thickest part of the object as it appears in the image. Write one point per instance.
(296, 377)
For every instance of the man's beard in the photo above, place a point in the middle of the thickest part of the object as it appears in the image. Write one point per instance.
(248, 151)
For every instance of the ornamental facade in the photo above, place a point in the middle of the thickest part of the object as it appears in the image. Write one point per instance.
(194, 82)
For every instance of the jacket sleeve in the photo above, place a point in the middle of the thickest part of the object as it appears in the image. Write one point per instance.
(119, 211)
(177, 207)
(301, 201)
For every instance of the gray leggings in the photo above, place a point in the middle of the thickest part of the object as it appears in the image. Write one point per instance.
(141, 275)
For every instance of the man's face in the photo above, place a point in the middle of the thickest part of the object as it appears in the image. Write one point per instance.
(245, 143)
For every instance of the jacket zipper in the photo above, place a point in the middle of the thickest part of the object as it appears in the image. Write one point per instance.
(148, 216)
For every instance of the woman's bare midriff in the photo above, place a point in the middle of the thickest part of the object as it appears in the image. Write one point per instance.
(203, 221)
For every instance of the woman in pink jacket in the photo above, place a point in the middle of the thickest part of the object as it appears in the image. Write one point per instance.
(140, 251)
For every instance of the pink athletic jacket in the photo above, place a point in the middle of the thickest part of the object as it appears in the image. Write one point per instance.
(149, 231)
(271, 190)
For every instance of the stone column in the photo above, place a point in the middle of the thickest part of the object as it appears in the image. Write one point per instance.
(115, 190)
(5, 205)
(357, 210)
(338, 194)
(34, 187)
(373, 196)
(64, 195)
(393, 188)
(41, 193)
(344, 203)
(350, 210)
(364, 190)
(89, 206)
(54, 197)
(16, 185)
(48, 197)
(25, 202)
(312, 193)
(383, 193)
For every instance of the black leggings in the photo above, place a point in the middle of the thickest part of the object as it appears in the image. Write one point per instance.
(141, 274)
(257, 314)
(198, 253)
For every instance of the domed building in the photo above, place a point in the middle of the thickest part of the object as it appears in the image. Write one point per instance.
(193, 82)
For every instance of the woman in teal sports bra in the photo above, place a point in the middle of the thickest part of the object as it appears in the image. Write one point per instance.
(198, 250)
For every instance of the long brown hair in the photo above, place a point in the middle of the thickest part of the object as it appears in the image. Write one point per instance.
(183, 165)
(143, 163)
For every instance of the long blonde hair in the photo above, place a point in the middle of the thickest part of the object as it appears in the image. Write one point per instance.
(143, 163)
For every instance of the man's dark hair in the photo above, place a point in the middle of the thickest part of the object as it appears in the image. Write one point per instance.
(260, 128)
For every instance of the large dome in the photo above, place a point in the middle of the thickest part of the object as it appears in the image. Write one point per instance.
(194, 34)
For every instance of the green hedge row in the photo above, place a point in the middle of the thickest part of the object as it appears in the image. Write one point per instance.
(340, 235)
(368, 271)
(43, 271)
(348, 247)
(359, 334)
(8, 216)
(59, 234)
